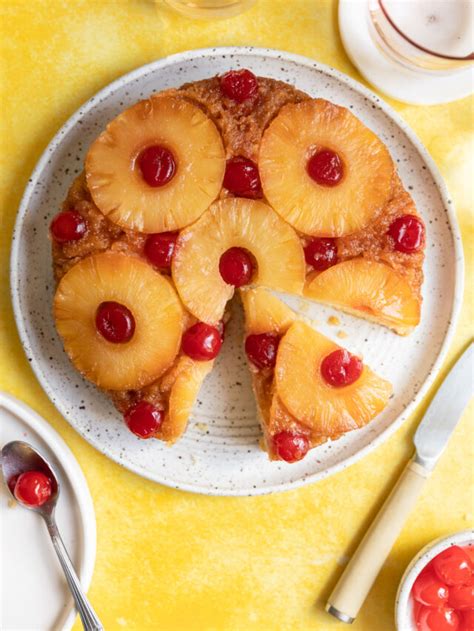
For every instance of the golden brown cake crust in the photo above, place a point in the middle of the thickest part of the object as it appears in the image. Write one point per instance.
(241, 126)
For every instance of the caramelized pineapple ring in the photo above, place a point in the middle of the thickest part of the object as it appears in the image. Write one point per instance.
(369, 290)
(157, 166)
(235, 223)
(148, 296)
(328, 411)
(334, 196)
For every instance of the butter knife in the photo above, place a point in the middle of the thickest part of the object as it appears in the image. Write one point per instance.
(430, 440)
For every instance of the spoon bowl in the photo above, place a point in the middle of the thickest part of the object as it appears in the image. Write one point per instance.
(19, 457)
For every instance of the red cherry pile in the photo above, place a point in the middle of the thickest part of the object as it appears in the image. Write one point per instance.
(242, 179)
(157, 165)
(443, 592)
(32, 488)
(325, 168)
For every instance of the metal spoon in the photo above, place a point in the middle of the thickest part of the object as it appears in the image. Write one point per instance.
(18, 457)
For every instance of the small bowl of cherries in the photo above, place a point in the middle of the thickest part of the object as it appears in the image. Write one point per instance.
(436, 592)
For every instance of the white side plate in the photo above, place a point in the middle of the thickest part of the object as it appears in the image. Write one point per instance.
(34, 592)
(219, 453)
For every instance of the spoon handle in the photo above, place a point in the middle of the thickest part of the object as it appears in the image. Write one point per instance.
(89, 618)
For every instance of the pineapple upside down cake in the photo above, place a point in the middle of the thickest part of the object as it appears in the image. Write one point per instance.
(233, 182)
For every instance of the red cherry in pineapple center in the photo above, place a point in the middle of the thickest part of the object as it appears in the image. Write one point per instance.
(33, 488)
(340, 368)
(159, 248)
(239, 85)
(242, 178)
(68, 225)
(262, 349)
(290, 445)
(321, 253)
(157, 164)
(115, 322)
(202, 341)
(236, 267)
(325, 168)
(408, 233)
(144, 419)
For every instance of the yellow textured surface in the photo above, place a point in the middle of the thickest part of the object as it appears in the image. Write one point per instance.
(170, 560)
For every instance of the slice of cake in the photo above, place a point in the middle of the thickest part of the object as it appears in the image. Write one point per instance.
(308, 389)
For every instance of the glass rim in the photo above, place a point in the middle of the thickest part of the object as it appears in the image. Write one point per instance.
(418, 46)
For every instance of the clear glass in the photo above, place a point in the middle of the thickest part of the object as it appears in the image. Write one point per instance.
(210, 9)
(433, 36)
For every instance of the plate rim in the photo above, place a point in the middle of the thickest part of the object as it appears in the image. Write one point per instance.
(193, 56)
(79, 486)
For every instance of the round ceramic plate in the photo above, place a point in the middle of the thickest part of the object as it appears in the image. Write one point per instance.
(219, 454)
(34, 592)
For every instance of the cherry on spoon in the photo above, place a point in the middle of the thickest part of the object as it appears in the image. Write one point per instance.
(19, 457)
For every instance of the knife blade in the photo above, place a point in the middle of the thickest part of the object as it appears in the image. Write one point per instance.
(445, 410)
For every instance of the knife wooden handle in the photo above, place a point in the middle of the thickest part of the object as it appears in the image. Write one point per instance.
(362, 570)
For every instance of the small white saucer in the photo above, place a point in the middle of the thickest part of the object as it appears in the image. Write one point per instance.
(34, 592)
(391, 78)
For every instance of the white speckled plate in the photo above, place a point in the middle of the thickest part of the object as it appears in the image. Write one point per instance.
(219, 453)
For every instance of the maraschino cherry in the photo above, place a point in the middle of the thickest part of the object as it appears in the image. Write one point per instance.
(157, 164)
(236, 267)
(115, 322)
(408, 233)
(144, 419)
(325, 167)
(32, 488)
(68, 225)
(291, 445)
(340, 368)
(159, 248)
(202, 341)
(239, 85)
(321, 253)
(242, 178)
(262, 349)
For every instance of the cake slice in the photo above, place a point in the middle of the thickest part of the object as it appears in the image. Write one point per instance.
(308, 389)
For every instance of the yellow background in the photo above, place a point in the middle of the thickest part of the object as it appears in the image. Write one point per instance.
(170, 560)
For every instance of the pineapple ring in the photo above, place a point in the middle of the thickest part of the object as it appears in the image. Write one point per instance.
(115, 181)
(292, 137)
(242, 223)
(151, 299)
(264, 312)
(188, 377)
(367, 289)
(329, 411)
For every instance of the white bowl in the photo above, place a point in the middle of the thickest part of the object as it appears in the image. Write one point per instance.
(403, 601)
